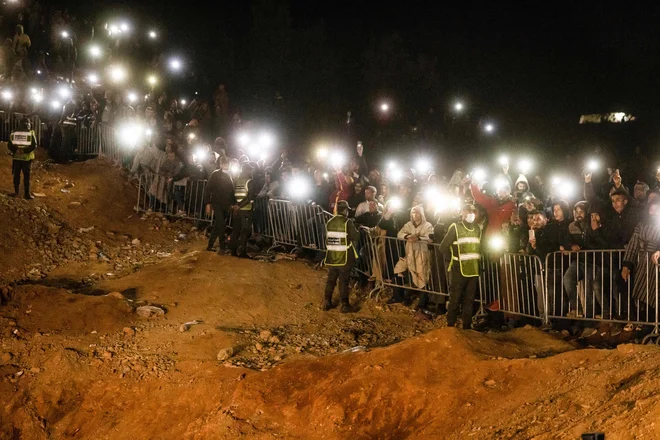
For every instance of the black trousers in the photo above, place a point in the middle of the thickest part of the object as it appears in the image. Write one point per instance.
(219, 227)
(242, 229)
(462, 292)
(341, 274)
(18, 167)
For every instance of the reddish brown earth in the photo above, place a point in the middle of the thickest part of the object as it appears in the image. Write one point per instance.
(78, 363)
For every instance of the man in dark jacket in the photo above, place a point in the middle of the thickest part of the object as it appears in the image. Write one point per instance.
(621, 219)
(219, 198)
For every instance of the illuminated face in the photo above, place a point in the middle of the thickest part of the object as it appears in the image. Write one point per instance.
(653, 197)
(595, 217)
(653, 210)
(539, 221)
(521, 186)
(558, 213)
(370, 194)
(579, 214)
(384, 190)
(502, 193)
(357, 188)
(416, 217)
(619, 202)
(373, 207)
(639, 192)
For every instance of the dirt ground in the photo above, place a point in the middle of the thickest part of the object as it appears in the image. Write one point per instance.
(78, 361)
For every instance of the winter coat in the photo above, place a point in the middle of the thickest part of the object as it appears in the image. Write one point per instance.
(417, 260)
(498, 211)
(644, 242)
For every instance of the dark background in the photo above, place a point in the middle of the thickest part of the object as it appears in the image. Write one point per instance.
(532, 69)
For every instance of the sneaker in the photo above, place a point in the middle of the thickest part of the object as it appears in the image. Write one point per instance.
(629, 327)
(616, 329)
(346, 308)
(327, 305)
(210, 249)
(588, 331)
(13, 195)
(29, 197)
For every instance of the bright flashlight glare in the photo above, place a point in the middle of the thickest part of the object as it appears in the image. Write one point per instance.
(338, 159)
(175, 64)
(592, 165)
(152, 80)
(192, 136)
(93, 78)
(489, 128)
(124, 26)
(395, 203)
(200, 154)
(396, 175)
(322, 153)
(496, 243)
(503, 160)
(298, 188)
(243, 139)
(114, 29)
(153, 35)
(423, 166)
(118, 73)
(479, 174)
(64, 92)
(95, 51)
(130, 134)
(384, 107)
(458, 106)
(132, 97)
(235, 169)
(525, 166)
(149, 132)
(325, 176)
(38, 98)
(500, 183)
(263, 155)
(7, 95)
(183, 102)
(567, 189)
(556, 180)
(266, 140)
(65, 34)
(56, 105)
(391, 165)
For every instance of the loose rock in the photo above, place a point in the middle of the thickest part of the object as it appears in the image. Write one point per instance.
(225, 354)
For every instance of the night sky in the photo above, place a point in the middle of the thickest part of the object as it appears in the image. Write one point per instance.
(532, 68)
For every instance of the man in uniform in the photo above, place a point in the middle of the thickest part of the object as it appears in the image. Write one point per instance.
(22, 144)
(341, 241)
(462, 248)
(245, 193)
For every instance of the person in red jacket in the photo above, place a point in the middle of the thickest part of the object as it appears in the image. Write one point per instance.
(499, 209)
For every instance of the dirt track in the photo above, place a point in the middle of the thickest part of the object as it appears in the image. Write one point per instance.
(78, 363)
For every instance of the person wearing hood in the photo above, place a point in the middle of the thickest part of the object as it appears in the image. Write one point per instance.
(461, 248)
(342, 239)
(498, 209)
(521, 187)
(577, 229)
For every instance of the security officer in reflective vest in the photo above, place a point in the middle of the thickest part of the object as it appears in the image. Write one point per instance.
(341, 240)
(461, 249)
(22, 144)
(242, 221)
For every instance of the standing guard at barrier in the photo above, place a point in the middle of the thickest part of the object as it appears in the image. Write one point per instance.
(245, 194)
(22, 144)
(462, 245)
(341, 240)
(219, 196)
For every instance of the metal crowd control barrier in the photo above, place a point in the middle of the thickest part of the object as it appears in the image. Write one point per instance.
(88, 140)
(399, 264)
(588, 285)
(297, 225)
(10, 121)
(523, 291)
(366, 253)
(185, 200)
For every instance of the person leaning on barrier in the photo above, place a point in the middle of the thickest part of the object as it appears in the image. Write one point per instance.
(22, 144)
(245, 194)
(462, 247)
(219, 198)
(342, 238)
(643, 244)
